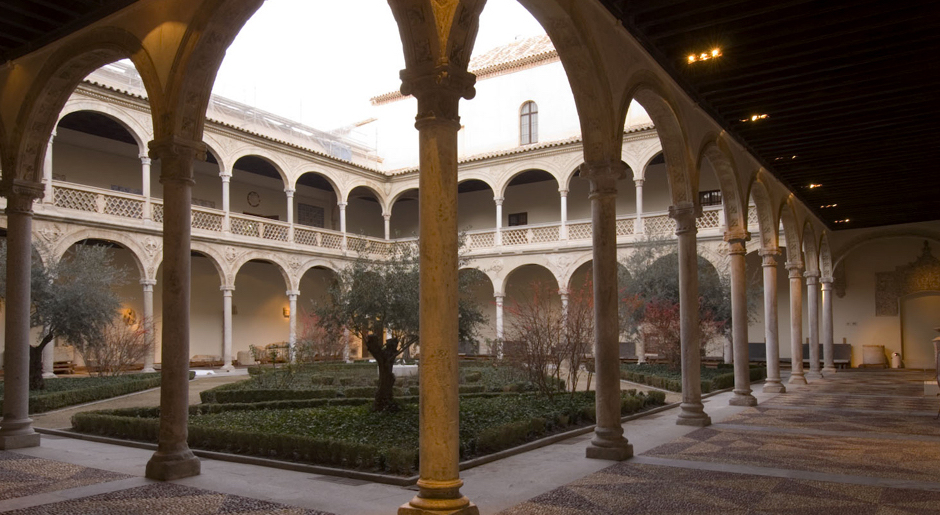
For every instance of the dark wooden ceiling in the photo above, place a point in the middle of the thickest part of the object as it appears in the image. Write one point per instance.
(850, 88)
(26, 25)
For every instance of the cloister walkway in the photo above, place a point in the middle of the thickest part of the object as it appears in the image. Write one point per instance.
(856, 442)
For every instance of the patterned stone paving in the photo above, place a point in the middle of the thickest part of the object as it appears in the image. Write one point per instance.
(640, 489)
(837, 421)
(164, 498)
(841, 412)
(25, 475)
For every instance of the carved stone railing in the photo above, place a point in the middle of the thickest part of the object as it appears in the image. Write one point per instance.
(98, 200)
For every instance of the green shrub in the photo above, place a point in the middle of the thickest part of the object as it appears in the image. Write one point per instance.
(473, 377)
(62, 392)
(322, 380)
(471, 388)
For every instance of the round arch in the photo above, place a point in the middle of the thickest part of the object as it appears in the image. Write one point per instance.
(886, 233)
(327, 175)
(719, 157)
(810, 250)
(537, 261)
(212, 253)
(791, 232)
(124, 240)
(139, 131)
(383, 203)
(264, 257)
(212, 143)
(767, 222)
(311, 264)
(528, 166)
(255, 152)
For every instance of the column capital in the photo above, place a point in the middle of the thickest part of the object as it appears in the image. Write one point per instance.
(21, 194)
(293, 293)
(387, 216)
(639, 182)
(499, 296)
(737, 241)
(289, 192)
(795, 268)
(145, 160)
(684, 214)
(438, 90)
(227, 288)
(176, 149)
(812, 277)
(769, 257)
(148, 282)
(563, 291)
(563, 192)
(498, 200)
(342, 205)
(603, 176)
(826, 285)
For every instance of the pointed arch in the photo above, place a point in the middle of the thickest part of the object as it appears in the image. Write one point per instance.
(825, 256)
(791, 232)
(715, 151)
(810, 250)
(767, 222)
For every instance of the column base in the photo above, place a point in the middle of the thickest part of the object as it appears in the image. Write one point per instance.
(48, 375)
(148, 370)
(797, 380)
(228, 368)
(814, 374)
(9, 442)
(693, 415)
(409, 509)
(169, 467)
(829, 370)
(742, 400)
(774, 387)
(611, 451)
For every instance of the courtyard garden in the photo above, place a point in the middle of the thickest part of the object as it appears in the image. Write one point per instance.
(62, 392)
(669, 377)
(324, 414)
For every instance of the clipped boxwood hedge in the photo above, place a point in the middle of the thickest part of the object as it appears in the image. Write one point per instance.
(659, 376)
(332, 431)
(69, 391)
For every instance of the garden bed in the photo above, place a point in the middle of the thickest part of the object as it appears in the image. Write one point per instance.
(345, 433)
(61, 392)
(667, 378)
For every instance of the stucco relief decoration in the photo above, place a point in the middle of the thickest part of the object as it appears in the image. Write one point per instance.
(294, 264)
(496, 267)
(151, 246)
(922, 274)
(231, 254)
(51, 233)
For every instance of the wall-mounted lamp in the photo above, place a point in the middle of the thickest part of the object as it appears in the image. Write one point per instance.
(286, 312)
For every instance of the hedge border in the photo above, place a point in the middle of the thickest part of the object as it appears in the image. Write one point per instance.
(45, 402)
(719, 382)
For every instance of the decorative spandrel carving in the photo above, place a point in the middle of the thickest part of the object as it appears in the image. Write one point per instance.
(922, 274)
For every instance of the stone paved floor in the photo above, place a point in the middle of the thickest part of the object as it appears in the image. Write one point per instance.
(856, 442)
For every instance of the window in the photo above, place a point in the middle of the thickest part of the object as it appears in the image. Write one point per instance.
(529, 123)
(518, 219)
(709, 198)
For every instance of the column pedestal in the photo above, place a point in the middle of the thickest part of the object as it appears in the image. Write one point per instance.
(608, 442)
(772, 384)
(742, 372)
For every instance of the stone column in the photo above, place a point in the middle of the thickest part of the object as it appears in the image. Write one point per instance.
(388, 225)
(48, 195)
(227, 292)
(829, 365)
(563, 233)
(796, 323)
(742, 371)
(499, 323)
(499, 220)
(691, 410)
(226, 176)
(638, 225)
(608, 442)
(289, 192)
(145, 187)
(772, 384)
(16, 428)
(438, 91)
(292, 338)
(173, 459)
(48, 360)
(149, 335)
(812, 308)
(342, 221)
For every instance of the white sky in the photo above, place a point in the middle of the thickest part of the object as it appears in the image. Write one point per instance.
(319, 61)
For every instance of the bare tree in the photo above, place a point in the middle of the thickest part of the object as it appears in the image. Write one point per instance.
(535, 342)
(319, 341)
(579, 332)
(120, 345)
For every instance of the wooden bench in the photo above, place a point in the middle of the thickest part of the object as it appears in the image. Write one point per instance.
(63, 367)
(841, 354)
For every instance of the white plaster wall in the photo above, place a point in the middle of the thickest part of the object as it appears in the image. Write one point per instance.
(205, 330)
(540, 200)
(476, 210)
(95, 161)
(364, 217)
(260, 298)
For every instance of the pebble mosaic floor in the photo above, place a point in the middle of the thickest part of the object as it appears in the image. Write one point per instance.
(856, 443)
(25, 475)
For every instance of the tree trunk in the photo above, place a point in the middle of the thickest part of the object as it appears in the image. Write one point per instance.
(384, 395)
(36, 382)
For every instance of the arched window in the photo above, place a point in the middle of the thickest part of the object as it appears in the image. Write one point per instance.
(529, 123)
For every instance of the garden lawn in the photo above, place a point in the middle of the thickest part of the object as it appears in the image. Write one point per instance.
(61, 392)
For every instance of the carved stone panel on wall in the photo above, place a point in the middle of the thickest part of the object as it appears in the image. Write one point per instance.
(923, 274)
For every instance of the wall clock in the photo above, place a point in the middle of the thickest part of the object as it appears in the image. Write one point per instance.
(254, 199)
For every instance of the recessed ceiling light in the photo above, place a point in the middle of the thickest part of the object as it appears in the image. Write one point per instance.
(704, 56)
(755, 117)
(843, 221)
(813, 186)
(828, 206)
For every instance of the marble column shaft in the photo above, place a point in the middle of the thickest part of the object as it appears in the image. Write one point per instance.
(499, 220)
(742, 372)
(608, 442)
(797, 375)
(691, 410)
(564, 214)
(227, 292)
(48, 360)
(16, 428)
(48, 195)
(638, 225)
(772, 384)
(499, 323)
(145, 187)
(438, 94)
(292, 322)
(173, 458)
(812, 309)
(149, 335)
(829, 365)
(226, 200)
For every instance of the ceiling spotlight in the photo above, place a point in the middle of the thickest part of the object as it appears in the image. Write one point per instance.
(813, 186)
(755, 117)
(704, 56)
(828, 206)
(843, 221)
